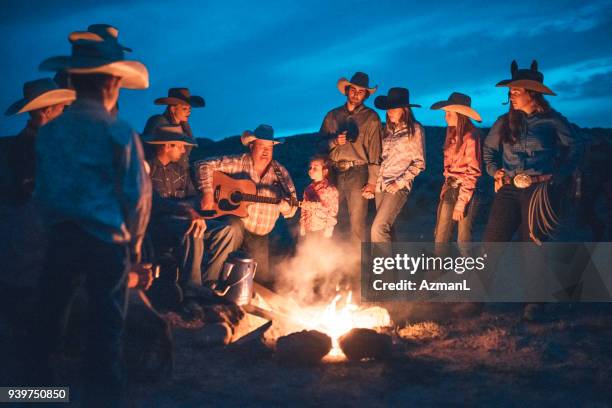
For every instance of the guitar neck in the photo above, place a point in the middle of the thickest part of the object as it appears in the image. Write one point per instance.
(260, 199)
(253, 198)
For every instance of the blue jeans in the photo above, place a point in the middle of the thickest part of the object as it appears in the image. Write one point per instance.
(227, 234)
(388, 207)
(349, 184)
(74, 256)
(445, 224)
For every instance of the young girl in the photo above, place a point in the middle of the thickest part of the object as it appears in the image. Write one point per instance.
(320, 204)
(461, 169)
(403, 158)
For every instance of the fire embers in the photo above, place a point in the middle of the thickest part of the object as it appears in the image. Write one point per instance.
(359, 344)
(305, 347)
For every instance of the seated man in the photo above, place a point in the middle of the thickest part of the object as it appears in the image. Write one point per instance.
(271, 179)
(175, 224)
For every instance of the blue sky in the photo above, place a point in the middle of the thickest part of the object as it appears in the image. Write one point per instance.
(278, 62)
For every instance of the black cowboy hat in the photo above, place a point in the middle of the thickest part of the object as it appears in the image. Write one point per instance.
(181, 96)
(531, 79)
(395, 98)
(359, 80)
(164, 134)
(459, 103)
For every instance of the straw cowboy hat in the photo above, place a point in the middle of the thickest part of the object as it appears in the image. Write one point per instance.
(39, 94)
(261, 132)
(358, 80)
(395, 98)
(458, 103)
(531, 79)
(181, 96)
(164, 134)
(96, 54)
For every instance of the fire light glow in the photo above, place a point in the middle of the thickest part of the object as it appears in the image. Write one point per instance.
(342, 315)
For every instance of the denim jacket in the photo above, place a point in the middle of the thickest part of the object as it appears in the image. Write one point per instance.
(548, 145)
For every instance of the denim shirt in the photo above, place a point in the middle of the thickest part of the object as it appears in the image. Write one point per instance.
(548, 145)
(90, 171)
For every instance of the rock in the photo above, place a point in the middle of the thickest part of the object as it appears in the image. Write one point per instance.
(213, 334)
(365, 343)
(230, 313)
(305, 347)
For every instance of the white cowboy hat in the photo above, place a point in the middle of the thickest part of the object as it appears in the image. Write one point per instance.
(93, 54)
(41, 93)
(261, 132)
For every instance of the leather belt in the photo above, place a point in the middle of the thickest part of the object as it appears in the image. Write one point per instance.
(344, 165)
(522, 180)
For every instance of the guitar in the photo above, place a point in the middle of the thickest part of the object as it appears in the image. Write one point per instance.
(234, 196)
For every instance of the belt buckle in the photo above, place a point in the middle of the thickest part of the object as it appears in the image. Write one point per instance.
(343, 165)
(521, 180)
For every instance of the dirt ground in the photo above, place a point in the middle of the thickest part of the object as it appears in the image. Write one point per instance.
(490, 358)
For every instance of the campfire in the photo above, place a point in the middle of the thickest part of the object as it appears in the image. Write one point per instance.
(340, 316)
(334, 318)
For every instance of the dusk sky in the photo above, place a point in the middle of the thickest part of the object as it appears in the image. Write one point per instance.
(278, 62)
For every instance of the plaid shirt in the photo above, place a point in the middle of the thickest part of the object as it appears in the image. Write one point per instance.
(319, 208)
(403, 157)
(172, 188)
(262, 217)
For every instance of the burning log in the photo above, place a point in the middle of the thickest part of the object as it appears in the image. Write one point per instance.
(358, 344)
(305, 347)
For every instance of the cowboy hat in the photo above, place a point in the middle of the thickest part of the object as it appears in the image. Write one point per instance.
(530, 79)
(106, 31)
(261, 132)
(395, 98)
(92, 54)
(358, 80)
(39, 94)
(165, 134)
(458, 103)
(181, 96)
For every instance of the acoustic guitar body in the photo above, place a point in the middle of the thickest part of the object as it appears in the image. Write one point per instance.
(228, 193)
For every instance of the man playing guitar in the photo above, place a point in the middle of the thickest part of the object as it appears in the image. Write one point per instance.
(271, 179)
